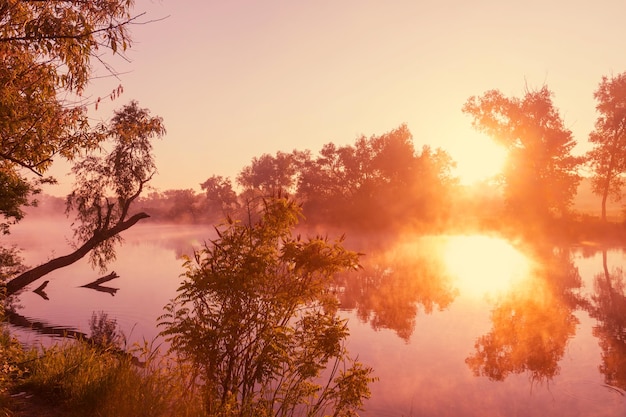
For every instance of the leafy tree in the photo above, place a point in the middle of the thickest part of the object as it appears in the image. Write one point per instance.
(351, 184)
(608, 156)
(105, 190)
(184, 205)
(255, 317)
(376, 182)
(269, 174)
(46, 49)
(429, 193)
(323, 184)
(220, 196)
(540, 178)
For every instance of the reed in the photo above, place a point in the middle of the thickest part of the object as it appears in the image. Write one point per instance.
(85, 379)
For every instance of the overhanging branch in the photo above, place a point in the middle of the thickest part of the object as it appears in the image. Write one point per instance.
(32, 275)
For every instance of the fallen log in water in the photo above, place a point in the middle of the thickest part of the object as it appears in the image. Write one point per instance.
(96, 285)
(102, 280)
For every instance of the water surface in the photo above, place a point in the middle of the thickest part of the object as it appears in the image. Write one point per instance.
(452, 325)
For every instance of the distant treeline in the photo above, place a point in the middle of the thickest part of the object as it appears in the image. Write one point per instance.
(377, 183)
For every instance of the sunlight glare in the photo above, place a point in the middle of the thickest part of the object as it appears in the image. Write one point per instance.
(484, 265)
(480, 159)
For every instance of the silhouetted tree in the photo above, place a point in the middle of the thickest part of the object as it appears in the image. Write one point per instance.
(377, 182)
(220, 197)
(269, 174)
(183, 205)
(540, 177)
(323, 185)
(105, 190)
(608, 156)
(429, 194)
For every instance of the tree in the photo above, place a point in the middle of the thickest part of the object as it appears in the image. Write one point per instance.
(540, 178)
(608, 156)
(220, 196)
(46, 49)
(105, 190)
(377, 182)
(184, 205)
(269, 174)
(255, 317)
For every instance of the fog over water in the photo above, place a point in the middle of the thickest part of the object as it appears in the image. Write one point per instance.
(417, 313)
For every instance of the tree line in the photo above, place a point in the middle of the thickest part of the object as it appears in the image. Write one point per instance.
(366, 185)
(382, 181)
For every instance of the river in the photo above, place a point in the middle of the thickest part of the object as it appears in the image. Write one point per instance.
(452, 325)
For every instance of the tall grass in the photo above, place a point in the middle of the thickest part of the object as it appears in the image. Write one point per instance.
(13, 369)
(87, 380)
(97, 378)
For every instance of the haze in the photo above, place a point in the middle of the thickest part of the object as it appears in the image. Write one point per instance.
(235, 80)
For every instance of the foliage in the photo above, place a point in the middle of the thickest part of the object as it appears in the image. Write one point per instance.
(46, 49)
(121, 174)
(86, 380)
(540, 176)
(106, 187)
(608, 156)
(255, 319)
(104, 331)
(379, 181)
(10, 263)
(13, 361)
(270, 174)
(221, 199)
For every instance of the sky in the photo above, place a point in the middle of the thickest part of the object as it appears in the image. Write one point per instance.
(234, 80)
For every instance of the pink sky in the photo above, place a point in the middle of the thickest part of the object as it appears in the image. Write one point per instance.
(237, 79)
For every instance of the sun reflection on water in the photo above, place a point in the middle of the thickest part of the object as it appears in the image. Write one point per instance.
(484, 265)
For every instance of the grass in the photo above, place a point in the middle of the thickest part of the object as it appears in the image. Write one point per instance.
(77, 378)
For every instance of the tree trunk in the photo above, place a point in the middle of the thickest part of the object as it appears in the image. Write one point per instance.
(604, 198)
(34, 274)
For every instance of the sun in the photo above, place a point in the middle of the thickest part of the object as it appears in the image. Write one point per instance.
(479, 158)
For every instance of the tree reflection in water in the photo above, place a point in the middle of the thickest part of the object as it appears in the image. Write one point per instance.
(532, 323)
(394, 284)
(608, 307)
